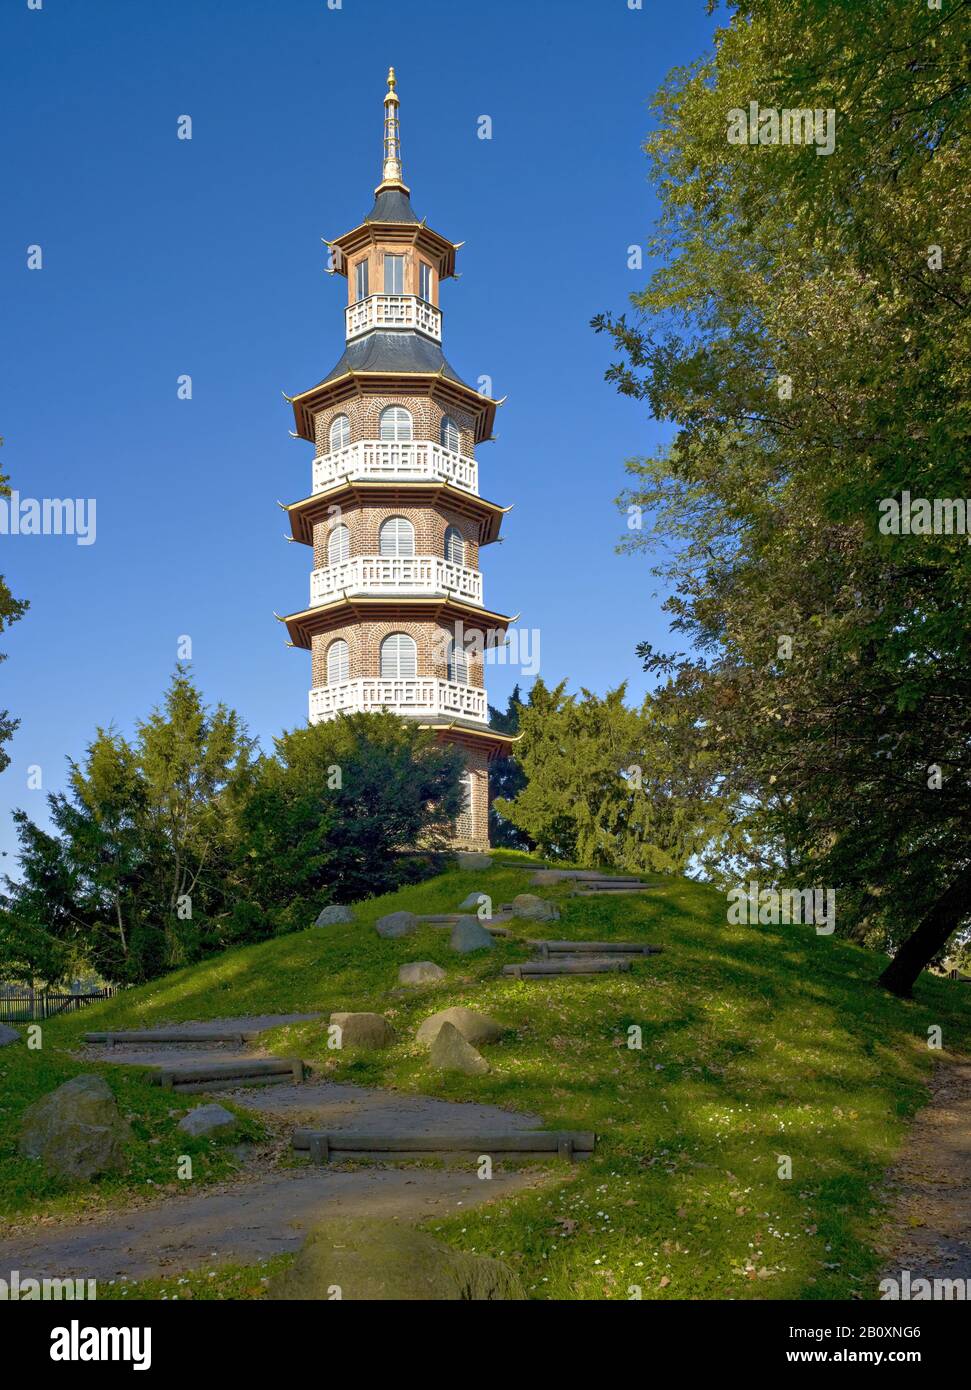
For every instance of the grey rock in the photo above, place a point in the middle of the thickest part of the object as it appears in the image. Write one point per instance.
(208, 1122)
(468, 934)
(475, 1028)
(363, 1030)
(396, 924)
(420, 972)
(533, 909)
(337, 912)
(450, 1052)
(8, 1035)
(77, 1131)
(471, 901)
(467, 859)
(374, 1259)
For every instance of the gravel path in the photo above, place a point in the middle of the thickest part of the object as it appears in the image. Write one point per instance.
(929, 1230)
(246, 1222)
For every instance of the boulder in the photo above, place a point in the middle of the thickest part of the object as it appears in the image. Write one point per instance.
(468, 934)
(396, 924)
(77, 1131)
(467, 859)
(534, 909)
(337, 912)
(8, 1035)
(364, 1030)
(472, 901)
(208, 1122)
(450, 1052)
(371, 1259)
(420, 972)
(475, 1028)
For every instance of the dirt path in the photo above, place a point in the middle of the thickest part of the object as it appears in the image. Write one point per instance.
(929, 1230)
(333, 1105)
(246, 1222)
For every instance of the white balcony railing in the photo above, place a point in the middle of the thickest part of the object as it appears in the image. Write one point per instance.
(417, 460)
(412, 574)
(425, 697)
(393, 311)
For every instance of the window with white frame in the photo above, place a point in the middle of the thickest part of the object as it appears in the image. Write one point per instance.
(454, 545)
(458, 663)
(466, 784)
(425, 280)
(338, 546)
(396, 423)
(396, 538)
(361, 280)
(448, 434)
(340, 432)
(399, 656)
(394, 274)
(338, 662)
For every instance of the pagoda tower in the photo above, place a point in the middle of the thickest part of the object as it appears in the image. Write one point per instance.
(397, 619)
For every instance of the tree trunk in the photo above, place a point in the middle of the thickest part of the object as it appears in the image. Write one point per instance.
(929, 936)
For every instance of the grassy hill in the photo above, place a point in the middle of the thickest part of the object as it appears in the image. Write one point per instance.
(758, 1042)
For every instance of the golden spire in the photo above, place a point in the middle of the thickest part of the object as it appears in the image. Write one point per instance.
(391, 176)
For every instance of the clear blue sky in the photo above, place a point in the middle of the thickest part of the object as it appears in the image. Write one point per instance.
(164, 257)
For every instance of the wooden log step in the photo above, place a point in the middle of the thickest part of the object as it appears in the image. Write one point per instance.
(242, 1072)
(596, 948)
(613, 892)
(322, 1143)
(230, 1083)
(532, 968)
(214, 1035)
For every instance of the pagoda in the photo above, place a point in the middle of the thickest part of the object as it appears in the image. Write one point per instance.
(396, 619)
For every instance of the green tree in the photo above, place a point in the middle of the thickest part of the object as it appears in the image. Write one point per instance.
(807, 336)
(330, 816)
(506, 779)
(606, 786)
(135, 878)
(11, 609)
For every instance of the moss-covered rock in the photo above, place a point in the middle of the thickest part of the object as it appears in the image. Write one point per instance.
(368, 1259)
(77, 1131)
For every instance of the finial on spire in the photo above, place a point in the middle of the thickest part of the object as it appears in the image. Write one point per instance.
(391, 173)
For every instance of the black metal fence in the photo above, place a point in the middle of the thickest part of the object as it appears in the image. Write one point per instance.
(35, 1005)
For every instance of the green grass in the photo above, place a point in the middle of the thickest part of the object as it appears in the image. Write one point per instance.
(756, 1043)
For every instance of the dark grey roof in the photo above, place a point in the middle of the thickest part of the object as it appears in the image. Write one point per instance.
(398, 351)
(392, 205)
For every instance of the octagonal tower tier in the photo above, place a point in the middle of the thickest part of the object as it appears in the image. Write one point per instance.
(396, 618)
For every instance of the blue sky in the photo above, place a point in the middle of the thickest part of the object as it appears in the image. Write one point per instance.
(163, 257)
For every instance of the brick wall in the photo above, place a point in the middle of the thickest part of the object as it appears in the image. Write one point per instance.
(364, 521)
(364, 414)
(364, 643)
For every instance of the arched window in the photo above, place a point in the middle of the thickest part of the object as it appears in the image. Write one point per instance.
(338, 662)
(396, 423)
(396, 537)
(399, 655)
(338, 546)
(340, 432)
(458, 663)
(448, 434)
(454, 545)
